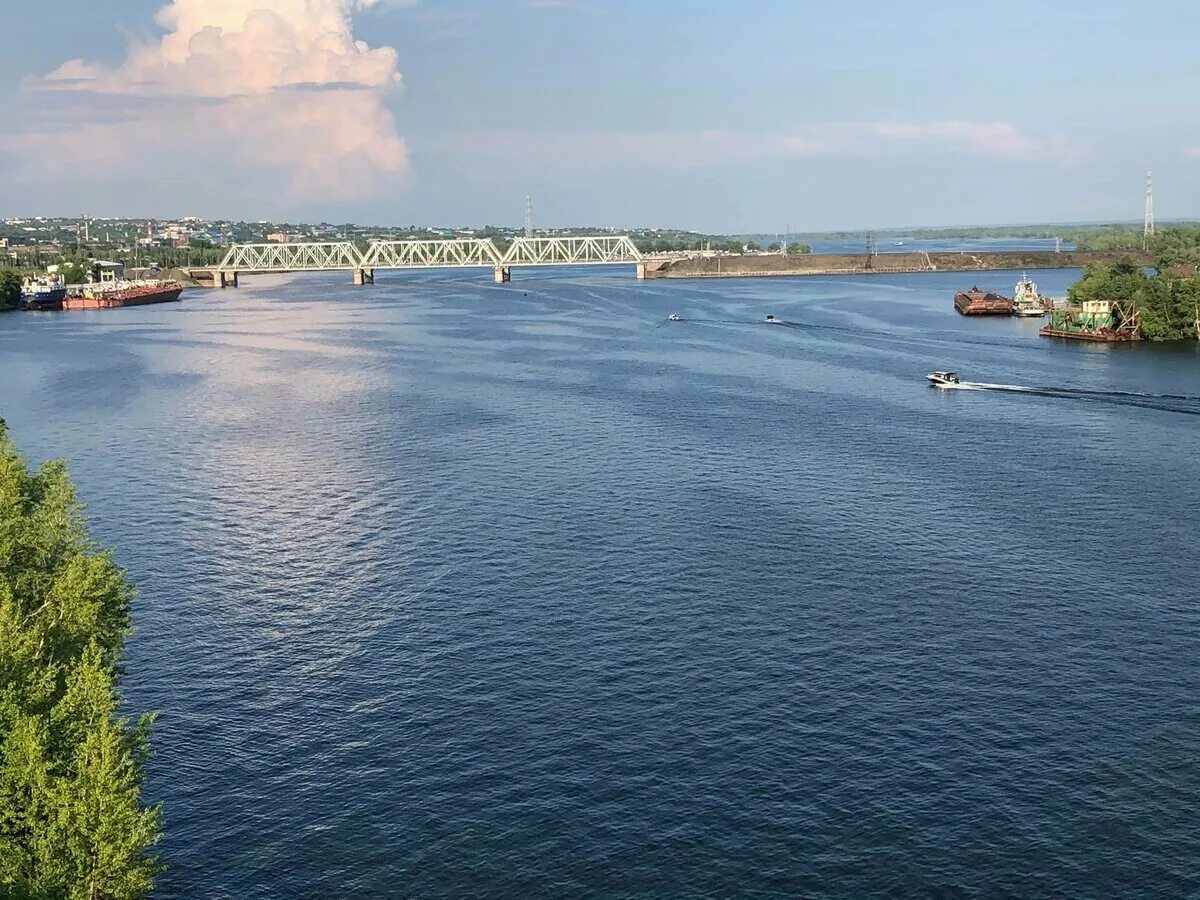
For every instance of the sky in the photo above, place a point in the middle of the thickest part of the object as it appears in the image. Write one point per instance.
(719, 117)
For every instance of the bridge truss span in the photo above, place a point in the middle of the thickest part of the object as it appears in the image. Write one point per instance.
(430, 254)
(461, 253)
(572, 251)
(291, 257)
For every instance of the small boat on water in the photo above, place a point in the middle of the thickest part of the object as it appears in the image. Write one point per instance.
(1028, 300)
(771, 320)
(943, 379)
(672, 318)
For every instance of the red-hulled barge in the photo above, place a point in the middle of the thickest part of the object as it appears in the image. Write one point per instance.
(116, 294)
(982, 303)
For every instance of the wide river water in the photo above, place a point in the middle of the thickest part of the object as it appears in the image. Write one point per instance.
(450, 589)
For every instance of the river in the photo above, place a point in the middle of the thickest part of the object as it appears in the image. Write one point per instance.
(451, 589)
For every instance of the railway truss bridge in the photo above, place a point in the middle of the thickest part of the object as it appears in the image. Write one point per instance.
(436, 254)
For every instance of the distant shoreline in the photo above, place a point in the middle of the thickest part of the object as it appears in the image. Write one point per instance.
(887, 263)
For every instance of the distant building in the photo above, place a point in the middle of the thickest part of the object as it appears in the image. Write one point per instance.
(104, 270)
(278, 237)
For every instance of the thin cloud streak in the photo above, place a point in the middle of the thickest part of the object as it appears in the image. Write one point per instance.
(711, 148)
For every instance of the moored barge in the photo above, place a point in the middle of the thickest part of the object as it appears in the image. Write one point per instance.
(1097, 321)
(117, 294)
(982, 303)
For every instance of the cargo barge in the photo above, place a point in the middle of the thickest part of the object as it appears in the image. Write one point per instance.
(1096, 321)
(117, 294)
(982, 303)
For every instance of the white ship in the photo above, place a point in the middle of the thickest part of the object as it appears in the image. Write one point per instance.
(1027, 300)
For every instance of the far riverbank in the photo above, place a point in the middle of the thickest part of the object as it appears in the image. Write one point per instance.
(861, 264)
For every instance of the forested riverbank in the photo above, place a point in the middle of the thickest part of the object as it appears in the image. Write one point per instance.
(1165, 303)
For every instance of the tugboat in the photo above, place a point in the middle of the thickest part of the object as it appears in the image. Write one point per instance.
(982, 303)
(1027, 300)
(39, 294)
(943, 379)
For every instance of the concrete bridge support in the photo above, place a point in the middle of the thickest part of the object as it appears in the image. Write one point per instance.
(223, 279)
(364, 276)
(641, 271)
(503, 274)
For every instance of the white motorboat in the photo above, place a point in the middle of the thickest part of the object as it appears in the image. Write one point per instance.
(943, 379)
(672, 318)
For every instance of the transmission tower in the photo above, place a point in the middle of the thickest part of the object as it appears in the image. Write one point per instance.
(1148, 226)
(528, 216)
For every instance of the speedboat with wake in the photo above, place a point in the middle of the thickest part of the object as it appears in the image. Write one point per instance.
(943, 379)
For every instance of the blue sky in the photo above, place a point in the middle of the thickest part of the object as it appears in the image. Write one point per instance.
(704, 115)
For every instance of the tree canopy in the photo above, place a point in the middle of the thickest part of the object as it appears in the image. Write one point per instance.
(10, 289)
(1167, 303)
(72, 825)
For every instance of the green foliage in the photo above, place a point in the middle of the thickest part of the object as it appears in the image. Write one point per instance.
(799, 249)
(10, 289)
(1178, 246)
(72, 272)
(1167, 304)
(72, 826)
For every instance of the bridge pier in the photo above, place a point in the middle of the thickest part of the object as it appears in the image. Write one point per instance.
(641, 271)
(364, 276)
(223, 279)
(503, 274)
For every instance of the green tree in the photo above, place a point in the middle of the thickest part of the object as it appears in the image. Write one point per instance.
(72, 825)
(72, 272)
(799, 249)
(10, 289)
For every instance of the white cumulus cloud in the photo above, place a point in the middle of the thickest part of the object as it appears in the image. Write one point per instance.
(281, 85)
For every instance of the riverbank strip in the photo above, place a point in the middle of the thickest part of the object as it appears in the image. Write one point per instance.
(760, 266)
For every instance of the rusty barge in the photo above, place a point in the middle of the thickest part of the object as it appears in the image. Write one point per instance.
(982, 303)
(117, 294)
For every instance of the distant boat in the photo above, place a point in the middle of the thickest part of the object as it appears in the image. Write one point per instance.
(672, 318)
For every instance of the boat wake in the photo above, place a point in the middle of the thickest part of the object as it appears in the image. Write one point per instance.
(1181, 403)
